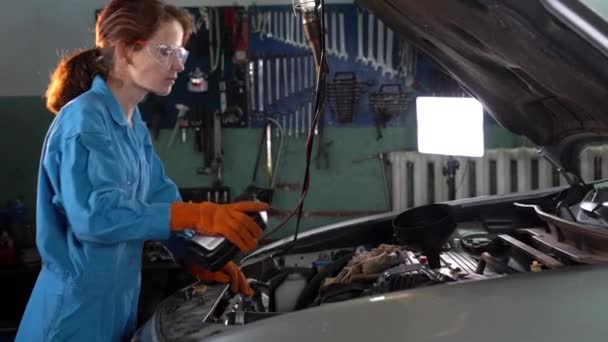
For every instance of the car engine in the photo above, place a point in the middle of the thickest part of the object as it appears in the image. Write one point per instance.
(547, 234)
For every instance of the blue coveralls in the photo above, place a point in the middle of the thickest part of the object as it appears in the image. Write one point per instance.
(102, 191)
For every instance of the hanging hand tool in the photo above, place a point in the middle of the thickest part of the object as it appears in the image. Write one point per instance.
(293, 75)
(240, 33)
(343, 54)
(222, 85)
(252, 84)
(265, 193)
(370, 39)
(301, 38)
(273, 25)
(285, 78)
(389, 70)
(269, 82)
(181, 121)
(281, 27)
(322, 157)
(218, 159)
(289, 21)
(334, 35)
(298, 29)
(290, 124)
(264, 20)
(253, 20)
(303, 111)
(215, 42)
(269, 170)
(296, 124)
(299, 74)
(313, 71)
(261, 85)
(197, 123)
(360, 57)
(306, 72)
(379, 62)
(277, 69)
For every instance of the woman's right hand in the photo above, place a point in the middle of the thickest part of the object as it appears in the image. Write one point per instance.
(228, 220)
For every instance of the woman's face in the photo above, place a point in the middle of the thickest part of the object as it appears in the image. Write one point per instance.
(155, 66)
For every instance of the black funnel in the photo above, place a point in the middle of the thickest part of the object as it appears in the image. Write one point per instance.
(426, 228)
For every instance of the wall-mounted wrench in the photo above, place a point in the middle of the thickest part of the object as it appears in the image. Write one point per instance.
(277, 20)
(252, 92)
(269, 81)
(289, 21)
(296, 124)
(281, 20)
(261, 85)
(290, 132)
(313, 70)
(334, 34)
(309, 111)
(263, 21)
(299, 80)
(294, 28)
(360, 56)
(343, 54)
(273, 25)
(379, 62)
(298, 32)
(390, 42)
(285, 77)
(293, 75)
(370, 39)
(277, 79)
(303, 111)
(306, 73)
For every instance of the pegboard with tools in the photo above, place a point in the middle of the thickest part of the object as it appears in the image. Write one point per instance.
(364, 58)
(214, 79)
(250, 63)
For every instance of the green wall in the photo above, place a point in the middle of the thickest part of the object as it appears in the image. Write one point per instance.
(343, 187)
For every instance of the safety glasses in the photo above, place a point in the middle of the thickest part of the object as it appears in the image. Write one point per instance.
(164, 54)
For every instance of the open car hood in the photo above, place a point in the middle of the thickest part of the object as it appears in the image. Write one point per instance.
(534, 72)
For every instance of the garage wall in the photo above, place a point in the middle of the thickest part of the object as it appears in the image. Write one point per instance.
(344, 186)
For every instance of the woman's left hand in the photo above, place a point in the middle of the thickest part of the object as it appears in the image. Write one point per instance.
(229, 273)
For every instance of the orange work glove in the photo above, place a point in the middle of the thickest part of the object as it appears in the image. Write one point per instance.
(228, 220)
(230, 273)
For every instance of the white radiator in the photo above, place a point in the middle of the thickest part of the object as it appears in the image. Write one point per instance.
(418, 178)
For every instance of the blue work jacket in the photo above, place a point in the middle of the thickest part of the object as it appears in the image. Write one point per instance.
(102, 191)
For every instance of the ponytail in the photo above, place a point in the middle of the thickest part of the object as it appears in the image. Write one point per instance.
(73, 76)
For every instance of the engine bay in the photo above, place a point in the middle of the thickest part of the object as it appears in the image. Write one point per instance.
(542, 236)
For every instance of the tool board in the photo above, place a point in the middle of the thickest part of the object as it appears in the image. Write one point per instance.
(372, 71)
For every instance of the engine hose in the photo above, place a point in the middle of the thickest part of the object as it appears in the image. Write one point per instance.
(307, 296)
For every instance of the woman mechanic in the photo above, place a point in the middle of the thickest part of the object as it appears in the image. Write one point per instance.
(102, 190)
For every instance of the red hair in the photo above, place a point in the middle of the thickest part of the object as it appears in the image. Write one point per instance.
(121, 22)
